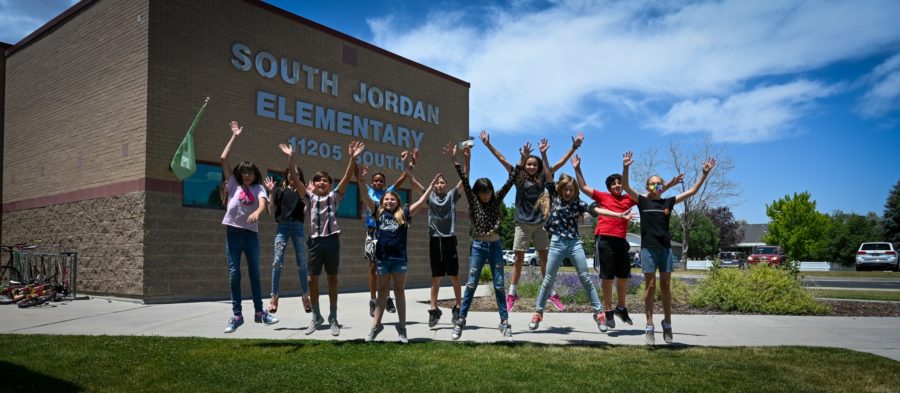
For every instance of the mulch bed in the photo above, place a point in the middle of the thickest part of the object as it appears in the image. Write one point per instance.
(635, 303)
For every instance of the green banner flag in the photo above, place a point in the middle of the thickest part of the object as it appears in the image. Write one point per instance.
(184, 163)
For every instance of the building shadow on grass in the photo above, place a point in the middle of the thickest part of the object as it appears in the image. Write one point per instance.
(16, 378)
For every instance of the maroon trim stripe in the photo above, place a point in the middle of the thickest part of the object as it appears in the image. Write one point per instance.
(105, 191)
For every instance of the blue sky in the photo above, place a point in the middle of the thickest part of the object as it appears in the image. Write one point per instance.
(801, 95)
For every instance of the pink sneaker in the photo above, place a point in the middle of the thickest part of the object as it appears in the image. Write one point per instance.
(557, 302)
(511, 301)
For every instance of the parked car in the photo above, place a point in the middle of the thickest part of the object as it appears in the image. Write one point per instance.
(635, 258)
(877, 255)
(732, 259)
(509, 257)
(531, 257)
(771, 255)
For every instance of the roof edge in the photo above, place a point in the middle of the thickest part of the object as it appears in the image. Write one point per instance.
(68, 13)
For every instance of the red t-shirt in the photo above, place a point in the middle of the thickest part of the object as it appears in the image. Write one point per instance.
(610, 226)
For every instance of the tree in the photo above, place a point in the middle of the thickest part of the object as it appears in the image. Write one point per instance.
(891, 222)
(718, 188)
(846, 232)
(730, 231)
(703, 232)
(797, 226)
(634, 227)
(508, 226)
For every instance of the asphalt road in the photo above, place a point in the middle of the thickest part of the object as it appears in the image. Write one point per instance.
(855, 283)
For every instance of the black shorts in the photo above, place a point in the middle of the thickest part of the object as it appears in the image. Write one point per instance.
(611, 257)
(444, 259)
(324, 252)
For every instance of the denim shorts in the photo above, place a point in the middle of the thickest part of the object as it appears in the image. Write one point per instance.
(657, 258)
(390, 265)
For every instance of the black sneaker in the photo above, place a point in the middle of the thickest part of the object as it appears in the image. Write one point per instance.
(455, 312)
(372, 308)
(433, 317)
(610, 321)
(390, 306)
(622, 313)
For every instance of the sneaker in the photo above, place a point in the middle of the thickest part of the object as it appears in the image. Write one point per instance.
(455, 312)
(511, 302)
(374, 332)
(265, 317)
(433, 317)
(650, 335)
(535, 321)
(457, 329)
(622, 313)
(600, 318)
(667, 332)
(402, 333)
(314, 324)
(610, 320)
(335, 327)
(372, 305)
(390, 306)
(234, 323)
(557, 302)
(506, 329)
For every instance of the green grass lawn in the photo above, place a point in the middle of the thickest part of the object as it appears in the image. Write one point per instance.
(136, 364)
(893, 296)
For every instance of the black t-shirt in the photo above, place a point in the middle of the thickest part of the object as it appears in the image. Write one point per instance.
(655, 221)
(289, 205)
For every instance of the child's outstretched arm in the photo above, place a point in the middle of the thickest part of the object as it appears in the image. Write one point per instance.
(364, 188)
(708, 166)
(625, 215)
(269, 184)
(626, 162)
(424, 198)
(543, 147)
(354, 150)
(524, 153)
(486, 139)
(235, 131)
(576, 143)
(579, 177)
(408, 170)
(292, 175)
(675, 181)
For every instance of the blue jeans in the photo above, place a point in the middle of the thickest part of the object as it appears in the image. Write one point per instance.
(290, 230)
(491, 252)
(238, 241)
(560, 249)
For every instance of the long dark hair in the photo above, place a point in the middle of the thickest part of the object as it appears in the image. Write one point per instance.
(523, 176)
(247, 166)
(287, 172)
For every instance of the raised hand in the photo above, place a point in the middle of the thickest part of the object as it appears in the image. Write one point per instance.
(287, 149)
(576, 140)
(436, 177)
(627, 159)
(235, 128)
(525, 151)
(404, 155)
(544, 146)
(467, 151)
(415, 156)
(708, 165)
(356, 148)
(485, 138)
(450, 149)
(362, 170)
(677, 180)
(576, 162)
(269, 183)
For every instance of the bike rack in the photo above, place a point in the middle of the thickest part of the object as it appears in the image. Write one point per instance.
(65, 262)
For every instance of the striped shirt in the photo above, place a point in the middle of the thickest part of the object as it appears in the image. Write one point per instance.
(322, 213)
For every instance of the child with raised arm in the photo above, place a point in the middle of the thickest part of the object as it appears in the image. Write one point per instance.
(376, 191)
(529, 181)
(566, 211)
(656, 249)
(392, 223)
(485, 212)
(324, 242)
(246, 201)
(288, 206)
(442, 236)
(611, 259)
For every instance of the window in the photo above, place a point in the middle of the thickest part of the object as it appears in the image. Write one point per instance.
(202, 188)
(404, 196)
(349, 207)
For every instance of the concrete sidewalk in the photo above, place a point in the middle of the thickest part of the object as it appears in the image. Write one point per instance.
(100, 316)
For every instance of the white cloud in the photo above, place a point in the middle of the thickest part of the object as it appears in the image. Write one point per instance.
(19, 18)
(765, 113)
(883, 95)
(533, 68)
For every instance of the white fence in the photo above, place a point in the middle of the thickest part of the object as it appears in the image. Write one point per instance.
(804, 266)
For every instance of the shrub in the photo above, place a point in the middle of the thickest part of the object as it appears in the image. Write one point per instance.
(760, 289)
(485, 276)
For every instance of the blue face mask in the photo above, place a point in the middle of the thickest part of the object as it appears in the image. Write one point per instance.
(656, 188)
